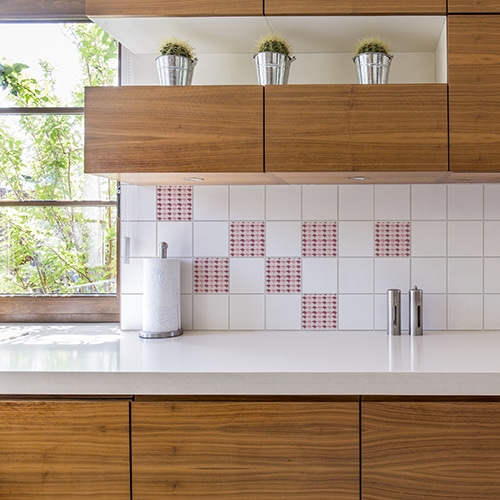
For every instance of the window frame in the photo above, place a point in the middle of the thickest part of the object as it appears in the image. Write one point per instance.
(56, 308)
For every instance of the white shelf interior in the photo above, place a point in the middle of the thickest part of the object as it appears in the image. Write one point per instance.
(323, 46)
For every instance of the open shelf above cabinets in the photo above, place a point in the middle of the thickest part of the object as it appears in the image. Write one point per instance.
(323, 46)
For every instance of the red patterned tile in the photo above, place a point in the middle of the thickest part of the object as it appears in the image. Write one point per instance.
(392, 239)
(247, 239)
(174, 203)
(319, 311)
(319, 239)
(211, 275)
(283, 275)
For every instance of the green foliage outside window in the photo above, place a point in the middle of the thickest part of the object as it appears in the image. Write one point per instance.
(55, 249)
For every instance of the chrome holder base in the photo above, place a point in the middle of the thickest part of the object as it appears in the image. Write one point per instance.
(160, 335)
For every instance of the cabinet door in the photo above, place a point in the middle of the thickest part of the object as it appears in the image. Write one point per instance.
(430, 449)
(245, 450)
(474, 88)
(346, 7)
(173, 8)
(322, 128)
(62, 449)
(473, 6)
(174, 129)
(42, 9)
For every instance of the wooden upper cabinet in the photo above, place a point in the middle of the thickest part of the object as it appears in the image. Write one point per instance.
(42, 9)
(64, 449)
(473, 6)
(173, 8)
(174, 129)
(474, 92)
(245, 450)
(322, 128)
(346, 7)
(430, 449)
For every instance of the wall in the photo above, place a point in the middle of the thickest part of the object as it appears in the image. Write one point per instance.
(318, 257)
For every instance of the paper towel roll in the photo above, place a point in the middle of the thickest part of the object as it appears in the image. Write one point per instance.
(161, 315)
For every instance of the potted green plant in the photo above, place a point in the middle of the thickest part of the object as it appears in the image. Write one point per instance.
(372, 60)
(176, 62)
(273, 58)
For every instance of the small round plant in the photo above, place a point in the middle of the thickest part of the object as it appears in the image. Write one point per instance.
(175, 47)
(274, 42)
(372, 44)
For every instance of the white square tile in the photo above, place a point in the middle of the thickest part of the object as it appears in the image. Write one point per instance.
(187, 312)
(131, 312)
(179, 236)
(465, 312)
(356, 312)
(283, 203)
(186, 275)
(211, 312)
(465, 239)
(246, 312)
(428, 239)
(392, 202)
(355, 239)
(143, 241)
(492, 238)
(491, 312)
(210, 202)
(392, 273)
(283, 312)
(428, 202)
(247, 275)
(465, 275)
(319, 275)
(247, 202)
(492, 201)
(492, 275)
(356, 202)
(319, 202)
(137, 203)
(283, 239)
(381, 312)
(429, 274)
(131, 276)
(465, 201)
(211, 239)
(356, 275)
(434, 312)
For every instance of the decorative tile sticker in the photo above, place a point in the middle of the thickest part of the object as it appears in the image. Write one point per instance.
(283, 275)
(319, 239)
(174, 203)
(247, 239)
(392, 239)
(319, 311)
(211, 275)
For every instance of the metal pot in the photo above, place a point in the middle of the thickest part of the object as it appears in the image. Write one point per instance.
(273, 68)
(373, 67)
(175, 70)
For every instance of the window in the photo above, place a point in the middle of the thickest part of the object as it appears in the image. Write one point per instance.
(58, 241)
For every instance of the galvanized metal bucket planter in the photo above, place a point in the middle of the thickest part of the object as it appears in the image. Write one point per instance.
(373, 67)
(273, 68)
(175, 70)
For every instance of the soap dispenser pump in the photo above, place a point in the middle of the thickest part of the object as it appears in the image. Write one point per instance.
(416, 311)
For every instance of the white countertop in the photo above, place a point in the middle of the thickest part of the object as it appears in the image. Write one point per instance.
(99, 359)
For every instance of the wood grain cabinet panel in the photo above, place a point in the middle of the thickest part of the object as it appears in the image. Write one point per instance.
(62, 449)
(245, 450)
(174, 129)
(474, 92)
(42, 9)
(173, 8)
(322, 128)
(473, 6)
(413, 450)
(346, 7)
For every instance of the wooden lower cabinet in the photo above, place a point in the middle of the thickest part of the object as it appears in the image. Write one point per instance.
(64, 449)
(430, 449)
(245, 449)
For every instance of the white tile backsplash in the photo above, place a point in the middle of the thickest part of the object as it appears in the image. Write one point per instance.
(303, 256)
